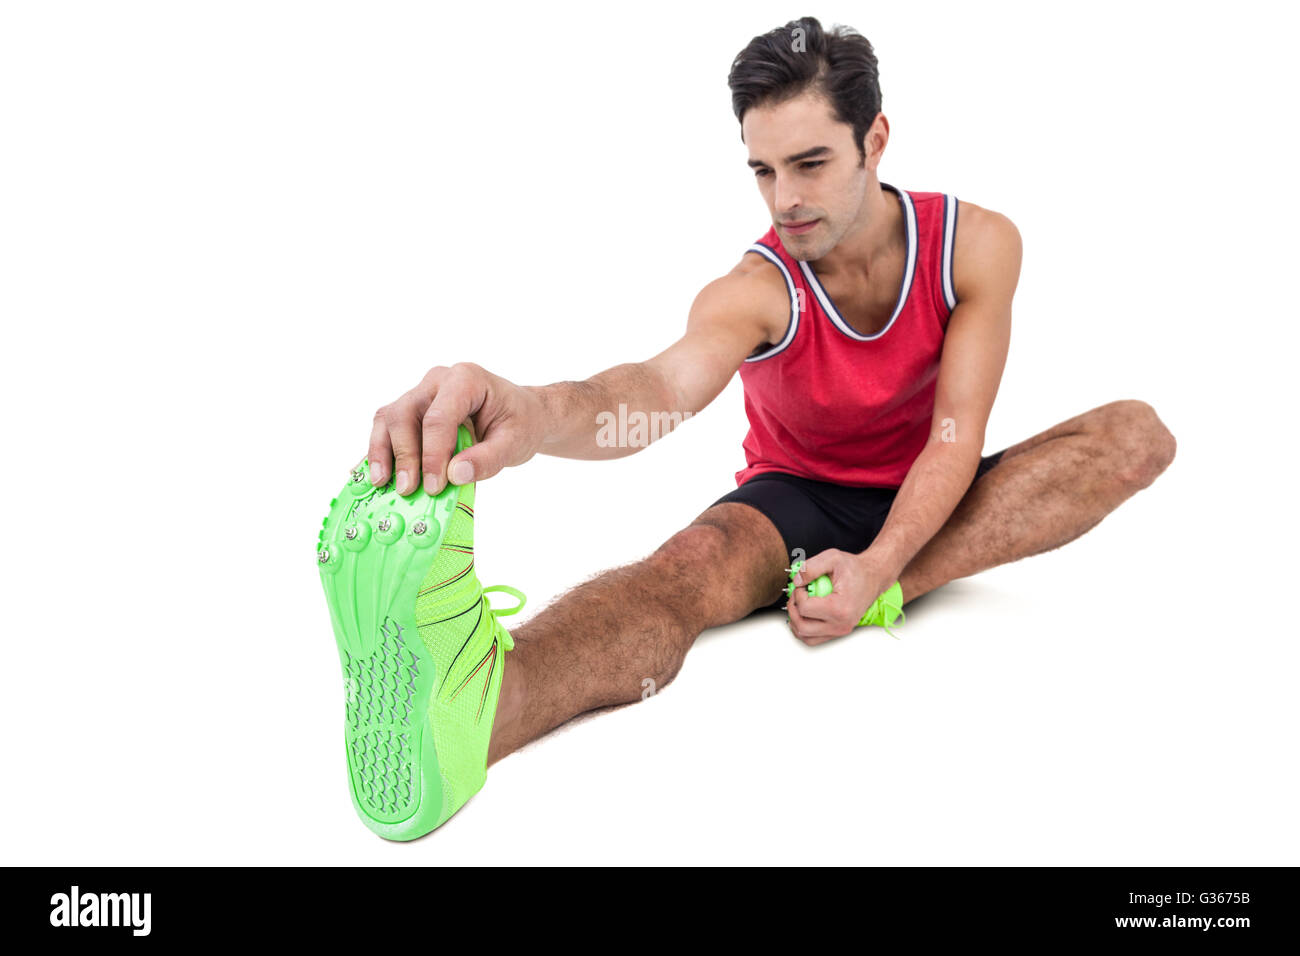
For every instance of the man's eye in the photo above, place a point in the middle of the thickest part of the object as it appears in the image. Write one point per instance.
(761, 172)
(812, 164)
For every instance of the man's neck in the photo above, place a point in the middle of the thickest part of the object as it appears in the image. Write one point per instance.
(873, 237)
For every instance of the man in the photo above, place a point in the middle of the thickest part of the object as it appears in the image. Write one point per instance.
(870, 327)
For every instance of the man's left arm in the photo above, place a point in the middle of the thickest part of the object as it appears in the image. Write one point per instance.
(986, 270)
(974, 355)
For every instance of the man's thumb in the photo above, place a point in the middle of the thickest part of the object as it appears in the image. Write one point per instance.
(813, 568)
(460, 471)
(473, 464)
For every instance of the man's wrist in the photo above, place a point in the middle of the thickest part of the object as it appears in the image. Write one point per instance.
(550, 412)
(568, 411)
(882, 559)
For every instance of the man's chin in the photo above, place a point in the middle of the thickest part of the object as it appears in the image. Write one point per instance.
(804, 252)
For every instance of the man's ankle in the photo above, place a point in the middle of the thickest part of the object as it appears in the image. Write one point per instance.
(510, 707)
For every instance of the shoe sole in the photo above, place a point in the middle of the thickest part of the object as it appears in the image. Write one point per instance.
(374, 551)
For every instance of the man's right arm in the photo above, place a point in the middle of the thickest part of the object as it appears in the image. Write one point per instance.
(730, 318)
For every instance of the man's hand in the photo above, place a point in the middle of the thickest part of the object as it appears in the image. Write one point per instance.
(419, 429)
(857, 579)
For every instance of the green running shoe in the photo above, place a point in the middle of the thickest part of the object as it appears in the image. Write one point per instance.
(883, 612)
(422, 650)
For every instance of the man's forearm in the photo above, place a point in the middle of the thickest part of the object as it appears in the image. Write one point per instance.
(584, 419)
(934, 487)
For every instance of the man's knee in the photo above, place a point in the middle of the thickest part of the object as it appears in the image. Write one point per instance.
(1143, 446)
(719, 564)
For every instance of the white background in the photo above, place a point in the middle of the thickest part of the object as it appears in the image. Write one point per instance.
(230, 231)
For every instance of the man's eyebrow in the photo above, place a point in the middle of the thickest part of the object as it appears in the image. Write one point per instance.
(806, 154)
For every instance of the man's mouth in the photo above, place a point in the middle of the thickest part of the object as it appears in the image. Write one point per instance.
(797, 228)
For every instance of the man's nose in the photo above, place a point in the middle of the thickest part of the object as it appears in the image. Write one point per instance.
(788, 199)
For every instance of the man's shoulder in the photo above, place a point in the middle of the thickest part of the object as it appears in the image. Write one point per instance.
(985, 246)
(754, 289)
(975, 221)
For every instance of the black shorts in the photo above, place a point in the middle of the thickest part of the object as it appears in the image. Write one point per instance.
(817, 515)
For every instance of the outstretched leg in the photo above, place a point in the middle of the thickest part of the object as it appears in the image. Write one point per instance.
(599, 644)
(1044, 492)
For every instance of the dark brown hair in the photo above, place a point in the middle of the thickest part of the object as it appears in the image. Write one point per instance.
(783, 63)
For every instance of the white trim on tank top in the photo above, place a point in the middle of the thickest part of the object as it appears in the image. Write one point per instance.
(949, 241)
(773, 258)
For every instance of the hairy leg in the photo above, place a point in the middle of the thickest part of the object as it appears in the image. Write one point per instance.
(595, 645)
(1046, 491)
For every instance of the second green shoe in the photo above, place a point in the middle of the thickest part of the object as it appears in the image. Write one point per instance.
(884, 610)
(423, 652)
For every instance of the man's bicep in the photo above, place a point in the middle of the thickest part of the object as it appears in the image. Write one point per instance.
(979, 330)
(727, 323)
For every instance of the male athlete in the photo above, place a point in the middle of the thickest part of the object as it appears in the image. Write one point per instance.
(869, 326)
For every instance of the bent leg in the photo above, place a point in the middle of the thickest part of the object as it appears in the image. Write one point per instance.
(1046, 491)
(597, 644)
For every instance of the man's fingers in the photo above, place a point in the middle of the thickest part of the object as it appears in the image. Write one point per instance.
(404, 435)
(808, 630)
(810, 608)
(796, 619)
(812, 640)
(460, 394)
(380, 453)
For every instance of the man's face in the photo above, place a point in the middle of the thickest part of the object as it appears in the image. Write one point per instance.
(808, 171)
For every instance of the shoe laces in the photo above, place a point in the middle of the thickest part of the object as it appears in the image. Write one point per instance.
(877, 610)
(507, 642)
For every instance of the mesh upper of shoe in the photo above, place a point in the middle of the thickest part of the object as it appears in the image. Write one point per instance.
(467, 645)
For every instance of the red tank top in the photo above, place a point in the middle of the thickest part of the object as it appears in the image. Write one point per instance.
(832, 404)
